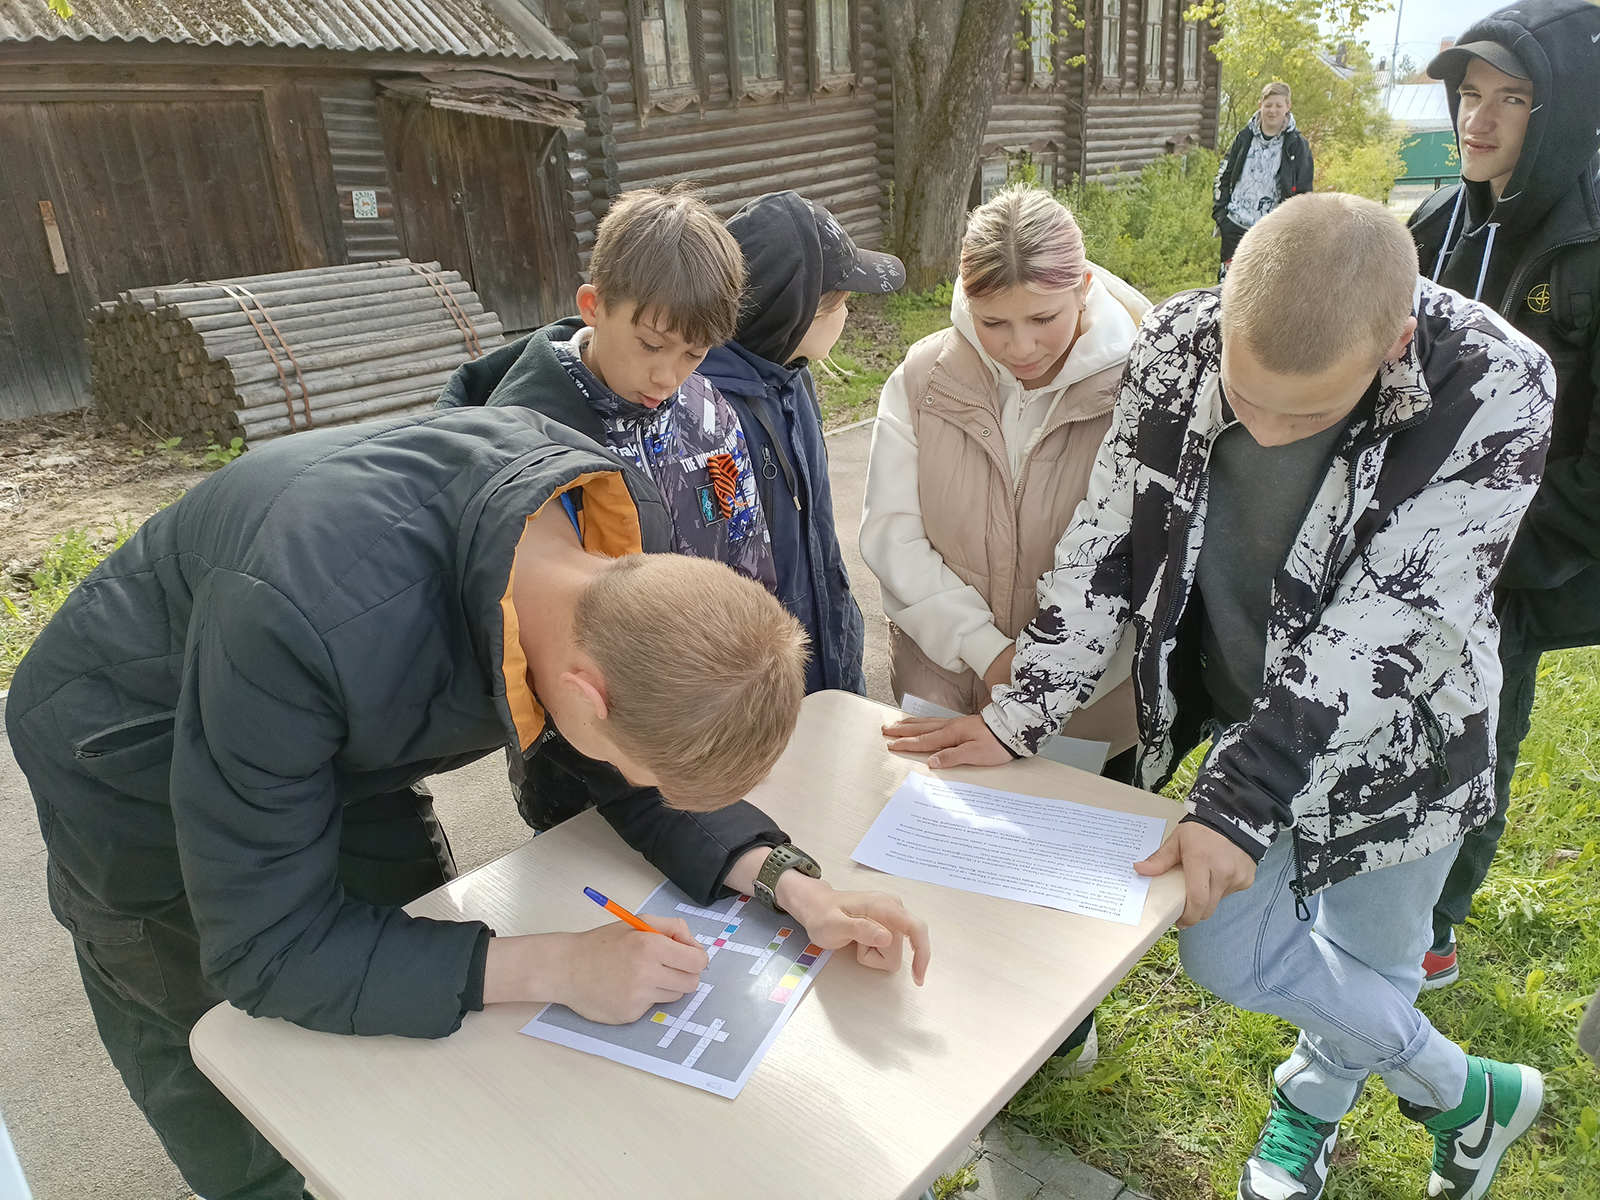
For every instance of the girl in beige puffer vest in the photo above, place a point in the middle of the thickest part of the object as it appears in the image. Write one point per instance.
(982, 451)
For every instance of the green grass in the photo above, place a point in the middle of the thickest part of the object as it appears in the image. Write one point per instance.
(876, 338)
(1181, 1091)
(26, 609)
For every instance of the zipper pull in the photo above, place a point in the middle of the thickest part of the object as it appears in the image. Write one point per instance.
(1301, 912)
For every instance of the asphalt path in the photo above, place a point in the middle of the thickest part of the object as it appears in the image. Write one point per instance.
(77, 1134)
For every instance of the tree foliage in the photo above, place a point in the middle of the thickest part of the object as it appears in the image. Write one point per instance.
(1338, 104)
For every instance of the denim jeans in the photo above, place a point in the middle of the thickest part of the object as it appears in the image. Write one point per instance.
(1347, 979)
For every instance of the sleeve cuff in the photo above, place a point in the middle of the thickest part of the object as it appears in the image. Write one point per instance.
(1232, 832)
(981, 647)
(472, 993)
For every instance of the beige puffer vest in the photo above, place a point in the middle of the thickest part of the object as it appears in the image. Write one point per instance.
(996, 533)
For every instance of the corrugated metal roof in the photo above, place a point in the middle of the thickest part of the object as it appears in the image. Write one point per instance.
(1422, 107)
(459, 27)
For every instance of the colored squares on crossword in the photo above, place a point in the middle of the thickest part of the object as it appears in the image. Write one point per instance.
(791, 979)
(660, 1018)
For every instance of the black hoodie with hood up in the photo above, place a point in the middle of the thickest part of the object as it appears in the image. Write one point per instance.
(1534, 255)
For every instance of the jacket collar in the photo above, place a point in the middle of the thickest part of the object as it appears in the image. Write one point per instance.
(732, 368)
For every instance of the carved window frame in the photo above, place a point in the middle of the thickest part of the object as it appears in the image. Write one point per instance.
(676, 97)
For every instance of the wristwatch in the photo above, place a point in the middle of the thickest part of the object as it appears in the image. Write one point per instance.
(783, 858)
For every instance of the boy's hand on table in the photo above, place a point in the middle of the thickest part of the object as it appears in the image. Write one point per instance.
(956, 741)
(1213, 867)
(876, 922)
(612, 974)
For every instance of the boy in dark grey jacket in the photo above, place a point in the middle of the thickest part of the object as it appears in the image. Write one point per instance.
(225, 728)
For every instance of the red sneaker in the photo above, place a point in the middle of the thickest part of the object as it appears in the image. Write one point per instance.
(1440, 970)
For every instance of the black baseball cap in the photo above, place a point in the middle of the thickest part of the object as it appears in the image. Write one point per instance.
(1452, 64)
(848, 268)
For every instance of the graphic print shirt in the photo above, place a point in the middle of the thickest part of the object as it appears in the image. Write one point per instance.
(693, 448)
(1256, 193)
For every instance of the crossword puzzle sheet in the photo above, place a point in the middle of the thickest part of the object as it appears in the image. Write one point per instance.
(713, 1038)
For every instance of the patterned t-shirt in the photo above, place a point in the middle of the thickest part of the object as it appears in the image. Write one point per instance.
(1256, 193)
(693, 449)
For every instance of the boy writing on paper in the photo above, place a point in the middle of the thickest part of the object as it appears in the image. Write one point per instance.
(226, 725)
(1298, 515)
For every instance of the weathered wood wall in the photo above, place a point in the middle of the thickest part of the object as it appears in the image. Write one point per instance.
(1129, 121)
(165, 163)
(820, 138)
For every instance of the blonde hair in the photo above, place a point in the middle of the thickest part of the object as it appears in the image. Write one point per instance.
(1320, 278)
(667, 252)
(1276, 88)
(1024, 237)
(704, 672)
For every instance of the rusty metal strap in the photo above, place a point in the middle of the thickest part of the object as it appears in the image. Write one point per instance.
(244, 297)
(451, 306)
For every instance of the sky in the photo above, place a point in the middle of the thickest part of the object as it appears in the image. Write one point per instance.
(1422, 24)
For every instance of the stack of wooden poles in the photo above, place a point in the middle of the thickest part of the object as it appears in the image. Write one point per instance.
(266, 355)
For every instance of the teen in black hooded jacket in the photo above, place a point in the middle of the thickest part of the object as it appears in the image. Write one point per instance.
(1530, 248)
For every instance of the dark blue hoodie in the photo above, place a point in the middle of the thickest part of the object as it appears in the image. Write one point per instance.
(783, 429)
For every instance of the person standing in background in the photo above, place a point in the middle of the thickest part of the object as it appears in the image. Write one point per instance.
(1269, 161)
(1521, 233)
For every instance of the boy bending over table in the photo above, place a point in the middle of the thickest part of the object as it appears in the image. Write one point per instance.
(225, 729)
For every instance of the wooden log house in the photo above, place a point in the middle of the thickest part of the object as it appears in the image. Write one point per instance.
(167, 141)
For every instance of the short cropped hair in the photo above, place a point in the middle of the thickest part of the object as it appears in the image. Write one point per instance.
(1276, 88)
(1321, 277)
(667, 252)
(704, 672)
(1024, 237)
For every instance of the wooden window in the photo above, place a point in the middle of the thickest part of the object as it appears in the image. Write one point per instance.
(664, 38)
(1191, 52)
(756, 34)
(832, 31)
(1155, 22)
(1110, 41)
(1041, 43)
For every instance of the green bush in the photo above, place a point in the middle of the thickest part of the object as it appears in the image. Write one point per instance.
(1156, 232)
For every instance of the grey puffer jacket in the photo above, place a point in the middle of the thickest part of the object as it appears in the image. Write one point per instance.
(1372, 739)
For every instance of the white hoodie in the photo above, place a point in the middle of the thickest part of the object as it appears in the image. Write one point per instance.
(948, 619)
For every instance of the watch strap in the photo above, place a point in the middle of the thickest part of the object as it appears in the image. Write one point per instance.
(786, 857)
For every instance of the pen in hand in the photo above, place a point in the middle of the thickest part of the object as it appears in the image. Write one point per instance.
(620, 913)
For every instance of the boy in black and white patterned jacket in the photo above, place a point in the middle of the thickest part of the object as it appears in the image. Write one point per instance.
(1310, 484)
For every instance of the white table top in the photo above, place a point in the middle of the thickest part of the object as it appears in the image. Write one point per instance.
(871, 1089)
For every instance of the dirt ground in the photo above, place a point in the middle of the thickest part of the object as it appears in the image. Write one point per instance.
(67, 470)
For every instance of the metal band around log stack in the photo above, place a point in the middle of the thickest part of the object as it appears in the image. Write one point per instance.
(468, 333)
(241, 294)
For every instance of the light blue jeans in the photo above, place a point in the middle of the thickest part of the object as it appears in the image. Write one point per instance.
(1347, 979)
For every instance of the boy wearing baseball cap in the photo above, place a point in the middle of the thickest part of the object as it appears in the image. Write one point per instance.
(1521, 233)
(802, 267)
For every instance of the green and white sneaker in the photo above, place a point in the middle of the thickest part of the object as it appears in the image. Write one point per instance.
(1501, 1103)
(1291, 1157)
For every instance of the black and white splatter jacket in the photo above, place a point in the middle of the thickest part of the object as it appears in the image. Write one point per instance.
(1372, 739)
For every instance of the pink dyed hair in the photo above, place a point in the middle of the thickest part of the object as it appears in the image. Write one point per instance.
(1024, 237)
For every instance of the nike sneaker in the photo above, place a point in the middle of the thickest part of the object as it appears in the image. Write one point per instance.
(1501, 1103)
(1291, 1157)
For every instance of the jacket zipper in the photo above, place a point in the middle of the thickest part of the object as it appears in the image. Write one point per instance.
(1302, 910)
(769, 469)
(1433, 730)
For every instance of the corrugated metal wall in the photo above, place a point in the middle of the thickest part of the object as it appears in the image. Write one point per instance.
(355, 145)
